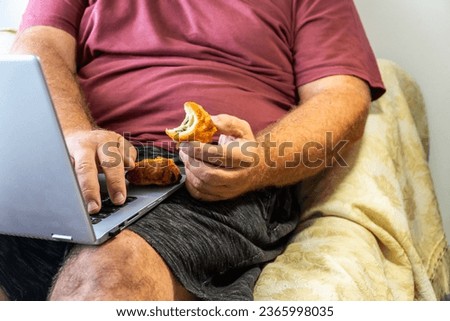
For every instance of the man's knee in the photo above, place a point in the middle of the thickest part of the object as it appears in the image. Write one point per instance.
(125, 268)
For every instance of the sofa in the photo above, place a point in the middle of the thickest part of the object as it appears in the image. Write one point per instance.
(371, 230)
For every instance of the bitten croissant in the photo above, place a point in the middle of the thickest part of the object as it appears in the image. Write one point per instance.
(157, 171)
(196, 126)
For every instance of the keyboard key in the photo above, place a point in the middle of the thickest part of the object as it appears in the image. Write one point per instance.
(109, 208)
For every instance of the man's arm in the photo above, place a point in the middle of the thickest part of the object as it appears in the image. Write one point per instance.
(294, 148)
(57, 52)
(332, 112)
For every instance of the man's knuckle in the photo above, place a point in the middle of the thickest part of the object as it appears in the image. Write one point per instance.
(83, 167)
(115, 182)
(88, 192)
(207, 176)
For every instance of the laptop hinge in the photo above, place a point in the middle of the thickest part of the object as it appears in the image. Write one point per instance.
(59, 237)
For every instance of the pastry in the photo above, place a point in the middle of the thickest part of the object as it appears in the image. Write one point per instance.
(154, 171)
(196, 126)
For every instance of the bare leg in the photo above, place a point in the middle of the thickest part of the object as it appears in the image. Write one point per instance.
(3, 296)
(125, 268)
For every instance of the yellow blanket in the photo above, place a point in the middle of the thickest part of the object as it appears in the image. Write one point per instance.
(370, 231)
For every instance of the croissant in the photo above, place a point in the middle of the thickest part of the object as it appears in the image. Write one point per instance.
(197, 125)
(154, 171)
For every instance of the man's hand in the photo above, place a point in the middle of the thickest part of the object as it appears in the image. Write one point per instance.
(227, 170)
(100, 151)
(336, 105)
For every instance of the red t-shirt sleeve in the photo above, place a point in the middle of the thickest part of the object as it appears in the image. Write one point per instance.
(61, 14)
(330, 40)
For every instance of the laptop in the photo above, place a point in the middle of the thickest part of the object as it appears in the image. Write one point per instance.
(39, 192)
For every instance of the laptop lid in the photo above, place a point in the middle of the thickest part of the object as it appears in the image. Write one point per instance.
(39, 192)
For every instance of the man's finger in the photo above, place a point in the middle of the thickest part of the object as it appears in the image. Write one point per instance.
(234, 154)
(200, 195)
(211, 154)
(111, 162)
(129, 153)
(86, 170)
(204, 171)
(233, 126)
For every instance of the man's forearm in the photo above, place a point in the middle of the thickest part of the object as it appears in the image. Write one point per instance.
(314, 135)
(60, 73)
(85, 143)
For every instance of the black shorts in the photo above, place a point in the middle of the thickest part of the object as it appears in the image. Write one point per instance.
(215, 249)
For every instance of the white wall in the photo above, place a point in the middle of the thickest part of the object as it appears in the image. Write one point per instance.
(11, 12)
(416, 35)
(413, 33)
(10, 15)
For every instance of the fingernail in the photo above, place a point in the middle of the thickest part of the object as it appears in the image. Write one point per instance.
(92, 207)
(119, 198)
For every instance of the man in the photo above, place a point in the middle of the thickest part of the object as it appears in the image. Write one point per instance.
(119, 71)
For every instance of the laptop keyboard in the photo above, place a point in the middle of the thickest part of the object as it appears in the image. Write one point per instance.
(109, 208)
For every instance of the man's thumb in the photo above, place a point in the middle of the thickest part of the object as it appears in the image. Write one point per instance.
(232, 126)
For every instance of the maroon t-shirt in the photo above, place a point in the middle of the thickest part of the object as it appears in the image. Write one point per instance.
(140, 60)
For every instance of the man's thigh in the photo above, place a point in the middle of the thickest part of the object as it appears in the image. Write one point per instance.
(124, 268)
(216, 249)
(3, 296)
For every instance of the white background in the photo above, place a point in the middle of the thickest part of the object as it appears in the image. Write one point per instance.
(413, 33)
(10, 12)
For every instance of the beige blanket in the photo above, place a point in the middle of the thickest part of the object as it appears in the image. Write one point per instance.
(370, 231)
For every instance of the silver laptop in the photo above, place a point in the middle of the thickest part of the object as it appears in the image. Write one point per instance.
(39, 192)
